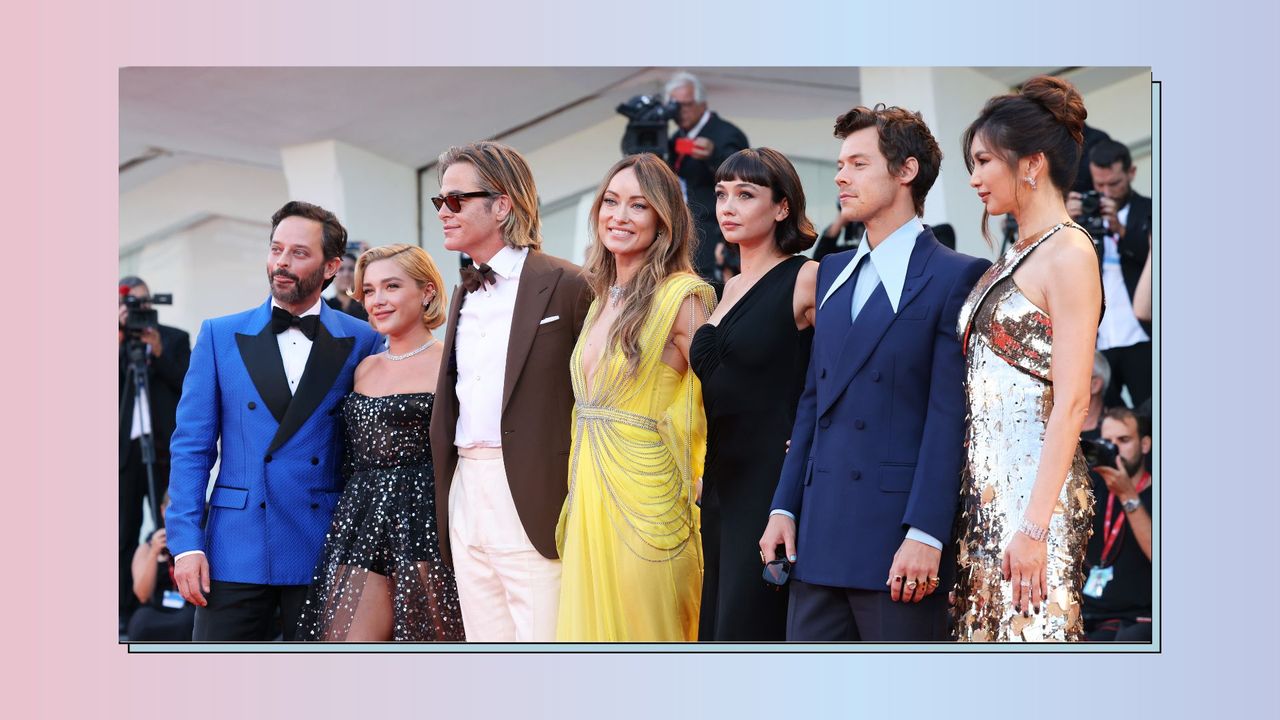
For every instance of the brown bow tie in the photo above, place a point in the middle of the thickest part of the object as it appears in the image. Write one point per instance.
(474, 277)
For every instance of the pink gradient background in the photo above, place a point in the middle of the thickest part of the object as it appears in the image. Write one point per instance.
(60, 199)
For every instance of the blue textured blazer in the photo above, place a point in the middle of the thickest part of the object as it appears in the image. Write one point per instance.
(278, 479)
(878, 441)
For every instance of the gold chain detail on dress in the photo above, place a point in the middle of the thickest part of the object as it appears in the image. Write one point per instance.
(652, 503)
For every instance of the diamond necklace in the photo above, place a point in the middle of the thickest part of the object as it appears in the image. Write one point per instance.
(615, 294)
(411, 353)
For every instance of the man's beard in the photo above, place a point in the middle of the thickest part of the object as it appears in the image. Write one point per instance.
(1133, 468)
(302, 287)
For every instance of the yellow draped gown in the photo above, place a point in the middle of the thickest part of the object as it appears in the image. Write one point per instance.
(628, 534)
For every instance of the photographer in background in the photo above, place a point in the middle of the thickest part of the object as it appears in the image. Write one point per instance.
(1117, 592)
(163, 614)
(343, 285)
(1120, 220)
(166, 351)
(697, 148)
(1099, 381)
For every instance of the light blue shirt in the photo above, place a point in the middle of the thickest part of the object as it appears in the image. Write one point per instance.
(887, 266)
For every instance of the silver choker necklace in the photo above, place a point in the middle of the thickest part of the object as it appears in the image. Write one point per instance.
(411, 353)
(615, 294)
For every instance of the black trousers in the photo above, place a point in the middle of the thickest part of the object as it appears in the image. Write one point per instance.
(818, 613)
(1130, 367)
(133, 494)
(247, 612)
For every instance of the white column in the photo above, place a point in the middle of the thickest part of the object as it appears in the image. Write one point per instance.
(373, 197)
(948, 99)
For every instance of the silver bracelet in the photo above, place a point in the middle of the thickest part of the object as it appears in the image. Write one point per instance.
(1033, 531)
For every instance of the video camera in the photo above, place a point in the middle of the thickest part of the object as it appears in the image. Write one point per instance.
(141, 315)
(1091, 214)
(647, 126)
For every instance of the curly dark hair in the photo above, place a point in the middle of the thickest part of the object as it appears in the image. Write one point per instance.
(903, 135)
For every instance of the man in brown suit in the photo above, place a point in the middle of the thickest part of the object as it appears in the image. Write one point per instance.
(502, 420)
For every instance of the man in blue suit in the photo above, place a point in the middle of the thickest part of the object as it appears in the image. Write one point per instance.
(268, 383)
(869, 489)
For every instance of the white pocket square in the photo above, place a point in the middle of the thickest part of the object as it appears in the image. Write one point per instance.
(546, 320)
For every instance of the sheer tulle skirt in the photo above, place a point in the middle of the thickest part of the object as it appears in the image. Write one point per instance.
(380, 575)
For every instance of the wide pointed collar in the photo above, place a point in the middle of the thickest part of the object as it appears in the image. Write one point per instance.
(890, 259)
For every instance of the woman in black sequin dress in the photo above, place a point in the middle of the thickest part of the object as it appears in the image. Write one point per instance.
(380, 575)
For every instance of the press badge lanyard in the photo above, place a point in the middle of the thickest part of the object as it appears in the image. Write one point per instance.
(1111, 530)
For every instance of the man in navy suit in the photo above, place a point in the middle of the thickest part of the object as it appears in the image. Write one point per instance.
(869, 489)
(268, 383)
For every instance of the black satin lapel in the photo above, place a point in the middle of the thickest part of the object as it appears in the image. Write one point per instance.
(261, 356)
(328, 355)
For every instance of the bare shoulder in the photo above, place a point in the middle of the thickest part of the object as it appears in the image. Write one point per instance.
(808, 275)
(368, 366)
(806, 283)
(1070, 249)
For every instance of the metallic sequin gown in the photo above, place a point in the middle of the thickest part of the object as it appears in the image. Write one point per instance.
(385, 523)
(1007, 343)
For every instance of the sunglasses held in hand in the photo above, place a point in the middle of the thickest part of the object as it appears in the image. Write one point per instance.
(777, 573)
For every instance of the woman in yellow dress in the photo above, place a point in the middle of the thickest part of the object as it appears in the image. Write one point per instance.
(628, 534)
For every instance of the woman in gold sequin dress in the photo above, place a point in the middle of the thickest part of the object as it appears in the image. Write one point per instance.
(1028, 332)
(628, 535)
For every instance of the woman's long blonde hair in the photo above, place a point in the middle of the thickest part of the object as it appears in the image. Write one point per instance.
(669, 254)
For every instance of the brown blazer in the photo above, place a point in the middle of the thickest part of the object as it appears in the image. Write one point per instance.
(537, 399)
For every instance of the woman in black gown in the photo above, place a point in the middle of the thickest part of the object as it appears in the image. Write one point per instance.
(380, 575)
(751, 357)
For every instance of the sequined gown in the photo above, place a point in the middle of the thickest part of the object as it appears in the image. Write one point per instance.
(628, 534)
(385, 523)
(1008, 343)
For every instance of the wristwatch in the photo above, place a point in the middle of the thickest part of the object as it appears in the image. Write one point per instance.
(1131, 504)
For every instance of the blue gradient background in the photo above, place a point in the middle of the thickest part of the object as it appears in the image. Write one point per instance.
(1218, 327)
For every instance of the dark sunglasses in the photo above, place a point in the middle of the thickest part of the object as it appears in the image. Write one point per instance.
(454, 201)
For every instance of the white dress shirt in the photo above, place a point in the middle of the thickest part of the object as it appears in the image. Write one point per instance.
(887, 266)
(484, 329)
(1119, 327)
(295, 348)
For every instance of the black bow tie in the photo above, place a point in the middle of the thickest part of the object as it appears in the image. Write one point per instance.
(282, 320)
(475, 277)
